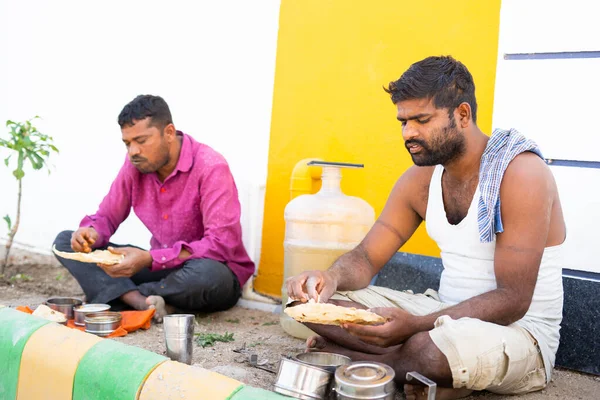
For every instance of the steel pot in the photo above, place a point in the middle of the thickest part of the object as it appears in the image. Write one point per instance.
(328, 361)
(64, 305)
(302, 381)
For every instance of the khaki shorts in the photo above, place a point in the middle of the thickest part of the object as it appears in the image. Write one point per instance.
(481, 355)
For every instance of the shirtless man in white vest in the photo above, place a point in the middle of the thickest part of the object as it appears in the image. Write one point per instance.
(494, 325)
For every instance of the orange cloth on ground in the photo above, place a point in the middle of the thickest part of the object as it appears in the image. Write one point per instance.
(132, 321)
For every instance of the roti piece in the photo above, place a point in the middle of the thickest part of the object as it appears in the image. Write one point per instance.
(95, 257)
(46, 312)
(330, 314)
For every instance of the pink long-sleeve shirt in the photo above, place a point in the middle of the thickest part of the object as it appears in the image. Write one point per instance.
(196, 208)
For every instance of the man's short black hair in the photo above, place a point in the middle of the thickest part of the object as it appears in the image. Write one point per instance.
(445, 80)
(146, 106)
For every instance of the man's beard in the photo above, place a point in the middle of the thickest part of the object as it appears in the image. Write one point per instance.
(145, 167)
(447, 144)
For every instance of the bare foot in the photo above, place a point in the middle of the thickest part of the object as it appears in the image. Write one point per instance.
(135, 299)
(162, 309)
(319, 343)
(342, 338)
(414, 392)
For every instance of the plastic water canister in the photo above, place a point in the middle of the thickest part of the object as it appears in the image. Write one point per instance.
(319, 228)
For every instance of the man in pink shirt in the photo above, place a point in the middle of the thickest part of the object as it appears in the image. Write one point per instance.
(184, 193)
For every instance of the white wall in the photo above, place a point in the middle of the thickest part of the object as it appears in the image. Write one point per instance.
(76, 64)
(555, 102)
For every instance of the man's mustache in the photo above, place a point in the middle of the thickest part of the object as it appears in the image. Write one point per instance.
(415, 141)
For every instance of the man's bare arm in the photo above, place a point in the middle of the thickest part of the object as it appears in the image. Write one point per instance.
(396, 224)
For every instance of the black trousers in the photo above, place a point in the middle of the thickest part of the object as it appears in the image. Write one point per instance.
(199, 285)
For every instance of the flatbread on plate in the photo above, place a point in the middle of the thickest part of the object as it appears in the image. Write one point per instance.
(95, 257)
(46, 312)
(330, 314)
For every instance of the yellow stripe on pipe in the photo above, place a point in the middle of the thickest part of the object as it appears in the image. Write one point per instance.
(173, 380)
(49, 362)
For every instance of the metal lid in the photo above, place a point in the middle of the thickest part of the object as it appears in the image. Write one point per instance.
(369, 380)
(92, 308)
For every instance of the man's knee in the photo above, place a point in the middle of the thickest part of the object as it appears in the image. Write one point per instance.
(430, 359)
(422, 343)
(206, 274)
(63, 241)
(208, 285)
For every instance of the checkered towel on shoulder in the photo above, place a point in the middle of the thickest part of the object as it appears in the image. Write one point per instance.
(503, 146)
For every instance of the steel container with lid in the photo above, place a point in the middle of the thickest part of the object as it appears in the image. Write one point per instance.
(365, 381)
(102, 323)
(81, 311)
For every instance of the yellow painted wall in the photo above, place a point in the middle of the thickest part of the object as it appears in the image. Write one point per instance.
(333, 57)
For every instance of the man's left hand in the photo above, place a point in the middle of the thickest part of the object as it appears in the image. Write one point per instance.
(400, 326)
(135, 260)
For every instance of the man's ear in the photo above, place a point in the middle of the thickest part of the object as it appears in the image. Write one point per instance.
(170, 132)
(464, 114)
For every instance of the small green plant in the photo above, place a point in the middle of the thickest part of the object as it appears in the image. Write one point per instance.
(254, 344)
(209, 339)
(33, 147)
(20, 278)
(269, 323)
(59, 277)
(233, 321)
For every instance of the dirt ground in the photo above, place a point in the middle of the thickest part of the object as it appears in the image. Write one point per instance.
(254, 332)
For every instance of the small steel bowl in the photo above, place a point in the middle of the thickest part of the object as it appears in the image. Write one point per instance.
(328, 361)
(82, 310)
(303, 381)
(102, 323)
(64, 305)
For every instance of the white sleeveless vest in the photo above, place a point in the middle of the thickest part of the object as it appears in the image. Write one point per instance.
(469, 270)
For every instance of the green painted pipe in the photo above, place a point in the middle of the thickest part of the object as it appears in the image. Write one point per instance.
(108, 371)
(113, 371)
(15, 329)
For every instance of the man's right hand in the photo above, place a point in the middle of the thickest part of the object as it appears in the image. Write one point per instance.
(317, 285)
(83, 239)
